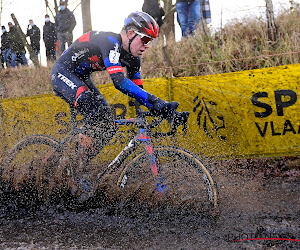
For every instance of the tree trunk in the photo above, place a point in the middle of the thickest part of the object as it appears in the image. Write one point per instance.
(1, 8)
(169, 26)
(86, 15)
(55, 7)
(272, 28)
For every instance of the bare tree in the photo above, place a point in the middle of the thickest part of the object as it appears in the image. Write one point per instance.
(169, 25)
(53, 8)
(3, 5)
(85, 8)
(272, 28)
(86, 15)
(1, 8)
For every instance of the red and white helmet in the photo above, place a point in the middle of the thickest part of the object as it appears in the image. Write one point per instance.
(143, 22)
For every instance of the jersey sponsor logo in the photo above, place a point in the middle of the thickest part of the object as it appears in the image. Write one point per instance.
(114, 69)
(114, 55)
(96, 63)
(79, 54)
(67, 81)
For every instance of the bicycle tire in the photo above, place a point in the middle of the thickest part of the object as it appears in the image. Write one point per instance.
(23, 164)
(190, 185)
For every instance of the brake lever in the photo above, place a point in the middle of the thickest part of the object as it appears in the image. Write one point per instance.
(185, 116)
(181, 119)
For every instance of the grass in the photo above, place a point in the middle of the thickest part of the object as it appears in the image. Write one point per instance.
(240, 45)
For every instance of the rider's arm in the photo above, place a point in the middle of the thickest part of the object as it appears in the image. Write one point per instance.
(126, 86)
(136, 79)
(111, 55)
(133, 72)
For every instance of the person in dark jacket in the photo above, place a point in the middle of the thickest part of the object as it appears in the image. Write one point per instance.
(5, 49)
(50, 38)
(65, 23)
(35, 36)
(153, 8)
(17, 46)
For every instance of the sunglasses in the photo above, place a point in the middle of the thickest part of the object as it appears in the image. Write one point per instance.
(145, 39)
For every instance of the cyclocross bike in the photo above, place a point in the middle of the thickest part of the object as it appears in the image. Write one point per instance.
(153, 175)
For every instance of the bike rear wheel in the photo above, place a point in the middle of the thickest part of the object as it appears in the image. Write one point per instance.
(189, 183)
(33, 161)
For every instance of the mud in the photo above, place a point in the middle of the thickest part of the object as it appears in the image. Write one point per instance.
(252, 205)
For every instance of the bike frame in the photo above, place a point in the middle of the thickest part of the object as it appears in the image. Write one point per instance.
(142, 137)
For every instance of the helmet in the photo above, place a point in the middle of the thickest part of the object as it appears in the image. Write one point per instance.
(143, 22)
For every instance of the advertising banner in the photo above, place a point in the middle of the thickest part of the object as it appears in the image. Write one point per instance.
(243, 114)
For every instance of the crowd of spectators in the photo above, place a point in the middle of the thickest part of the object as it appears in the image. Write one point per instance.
(55, 36)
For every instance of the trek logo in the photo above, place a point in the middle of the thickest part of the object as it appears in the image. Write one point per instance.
(67, 81)
(79, 54)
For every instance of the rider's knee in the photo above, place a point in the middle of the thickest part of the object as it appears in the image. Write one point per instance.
(92, 107)
(85, 103)
(101, 133)
(99, 122)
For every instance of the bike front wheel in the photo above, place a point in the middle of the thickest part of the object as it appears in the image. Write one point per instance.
(189, 183)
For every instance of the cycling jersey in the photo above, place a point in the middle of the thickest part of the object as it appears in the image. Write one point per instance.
(97, 51)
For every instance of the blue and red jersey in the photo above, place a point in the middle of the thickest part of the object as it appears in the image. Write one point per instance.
(98, 51)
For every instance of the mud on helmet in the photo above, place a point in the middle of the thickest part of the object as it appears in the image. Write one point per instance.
(143, 23)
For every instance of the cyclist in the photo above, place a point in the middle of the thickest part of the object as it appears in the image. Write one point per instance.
(97, 51)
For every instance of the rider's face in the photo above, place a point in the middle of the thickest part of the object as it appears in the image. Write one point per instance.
(137, 46)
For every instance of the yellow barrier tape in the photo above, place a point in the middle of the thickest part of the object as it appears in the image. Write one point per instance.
(242, 114)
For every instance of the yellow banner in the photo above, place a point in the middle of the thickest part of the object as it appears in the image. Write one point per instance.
(242, 114)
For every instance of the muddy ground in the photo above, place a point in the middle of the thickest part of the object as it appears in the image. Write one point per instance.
(254, 203)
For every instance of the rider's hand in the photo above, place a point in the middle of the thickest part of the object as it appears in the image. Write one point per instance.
(164, 109)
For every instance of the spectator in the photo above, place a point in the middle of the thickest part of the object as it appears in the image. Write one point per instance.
(35, 36)
(206, 13)
(5, 49)
(50, 38)
(153, 8)
(65, 23)
(17, 46)
(188, 15)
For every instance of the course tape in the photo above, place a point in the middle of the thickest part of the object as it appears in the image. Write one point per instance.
(243, 114)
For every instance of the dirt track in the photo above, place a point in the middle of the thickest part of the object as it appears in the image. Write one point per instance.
(252, 206)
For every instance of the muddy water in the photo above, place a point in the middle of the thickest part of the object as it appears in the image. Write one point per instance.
(251, 207)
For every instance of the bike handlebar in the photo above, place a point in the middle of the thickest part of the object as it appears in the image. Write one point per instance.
(176, 119)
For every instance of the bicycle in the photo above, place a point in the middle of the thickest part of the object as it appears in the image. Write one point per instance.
(155, 176)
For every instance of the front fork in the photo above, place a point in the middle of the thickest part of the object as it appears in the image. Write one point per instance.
(154, 163)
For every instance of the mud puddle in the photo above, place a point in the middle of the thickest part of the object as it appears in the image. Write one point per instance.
(252, 207)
